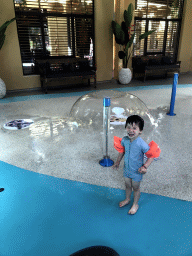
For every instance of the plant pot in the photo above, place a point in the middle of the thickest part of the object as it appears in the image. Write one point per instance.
(125, 76)
(2, 89)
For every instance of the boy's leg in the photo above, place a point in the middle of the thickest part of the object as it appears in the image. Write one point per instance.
(136, 189)
(128, 190)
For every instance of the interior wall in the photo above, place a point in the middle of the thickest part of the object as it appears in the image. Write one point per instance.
(190, 67)
(118, 17)
(126, 4)
(185, 44)
(120, 7)
(10, 61)
(104, 39)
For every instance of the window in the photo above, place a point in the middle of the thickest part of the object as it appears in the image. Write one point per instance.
(54, 28)
(165, 17)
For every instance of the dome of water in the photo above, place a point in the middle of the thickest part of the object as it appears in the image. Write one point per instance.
(87, 112)
(88, 109)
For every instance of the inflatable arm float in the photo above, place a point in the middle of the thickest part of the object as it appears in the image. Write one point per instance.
(153, 152)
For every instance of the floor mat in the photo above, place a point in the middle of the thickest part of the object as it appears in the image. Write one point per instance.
(44, 215)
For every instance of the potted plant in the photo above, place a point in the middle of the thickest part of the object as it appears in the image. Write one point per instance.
(125, 39)
(3, 28)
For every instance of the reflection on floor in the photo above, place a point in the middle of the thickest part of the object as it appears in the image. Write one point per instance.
(63, 200)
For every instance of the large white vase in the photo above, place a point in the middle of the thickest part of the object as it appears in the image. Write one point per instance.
(2, 89)
(125, 76)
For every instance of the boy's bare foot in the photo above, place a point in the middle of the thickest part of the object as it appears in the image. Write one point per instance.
(124, 202)
(134, 209)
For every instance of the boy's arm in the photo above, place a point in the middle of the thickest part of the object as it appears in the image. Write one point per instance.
(148, 162)
(119, 158)
(143, 168)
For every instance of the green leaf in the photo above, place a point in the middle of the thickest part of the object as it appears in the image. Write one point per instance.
(6, 24)
(2, 40)
(126, 18)
(123, 27)
(128, 15)
(121, 54)
(2, 31)
(118, 32)
(118, 41)
(146, 34)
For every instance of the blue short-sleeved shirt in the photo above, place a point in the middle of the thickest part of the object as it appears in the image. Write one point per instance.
(134, 157)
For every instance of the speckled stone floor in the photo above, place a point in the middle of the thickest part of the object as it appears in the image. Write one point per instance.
(52, 147)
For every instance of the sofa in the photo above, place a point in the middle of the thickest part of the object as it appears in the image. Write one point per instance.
(144, 66)
(57, 69)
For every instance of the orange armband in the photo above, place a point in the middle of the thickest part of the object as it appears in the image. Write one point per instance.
(154, 150)
(117, 144)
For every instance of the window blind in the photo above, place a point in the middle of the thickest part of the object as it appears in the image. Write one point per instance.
(58, 6)
(170, 9)
(55, 28)
(163, 16)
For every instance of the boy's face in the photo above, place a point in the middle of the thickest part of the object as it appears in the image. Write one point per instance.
(133, 131)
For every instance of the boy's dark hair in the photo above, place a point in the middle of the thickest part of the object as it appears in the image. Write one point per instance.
(135, 119)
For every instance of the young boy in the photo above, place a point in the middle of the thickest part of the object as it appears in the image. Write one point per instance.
(135, 147)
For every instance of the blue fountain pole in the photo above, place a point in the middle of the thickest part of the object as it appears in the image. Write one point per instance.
(174, 88)
(106, 161)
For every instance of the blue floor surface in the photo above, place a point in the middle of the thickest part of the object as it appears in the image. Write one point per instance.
(46, 216)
